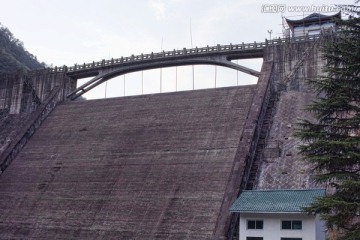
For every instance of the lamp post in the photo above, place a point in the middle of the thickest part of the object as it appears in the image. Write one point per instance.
(270, 32)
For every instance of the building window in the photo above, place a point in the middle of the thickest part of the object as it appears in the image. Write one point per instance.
(291, 225)
(254, 238)
(255, 224)
(291, 238)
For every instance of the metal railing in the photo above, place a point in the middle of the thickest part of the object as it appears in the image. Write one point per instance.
(252, 151)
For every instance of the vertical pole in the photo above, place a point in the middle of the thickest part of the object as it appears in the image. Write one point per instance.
(160, 80)
(215, 74)
(106, 81)
(303, 24)
(124, 85)
(176, 79)
(162, 40)
(191, 35)
(237, 74)
(193, 77)
(105, 88)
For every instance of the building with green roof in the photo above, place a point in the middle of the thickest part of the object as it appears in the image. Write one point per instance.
(278, 215)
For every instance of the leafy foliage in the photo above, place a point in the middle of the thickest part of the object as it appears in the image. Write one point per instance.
(332, 143)
(13, 55)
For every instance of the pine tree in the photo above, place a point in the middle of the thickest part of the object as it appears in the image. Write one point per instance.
(332, 142)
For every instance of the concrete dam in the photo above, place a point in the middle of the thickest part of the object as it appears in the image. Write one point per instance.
(160, 166)
(143, 167)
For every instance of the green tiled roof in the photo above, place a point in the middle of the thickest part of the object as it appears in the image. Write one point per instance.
(284, 200)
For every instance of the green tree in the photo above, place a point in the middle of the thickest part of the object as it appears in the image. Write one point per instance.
(332, 142)
(13, 56)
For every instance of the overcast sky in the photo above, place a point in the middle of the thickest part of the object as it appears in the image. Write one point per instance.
(76, 31)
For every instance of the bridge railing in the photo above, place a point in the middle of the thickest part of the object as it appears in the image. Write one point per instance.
(185, 51)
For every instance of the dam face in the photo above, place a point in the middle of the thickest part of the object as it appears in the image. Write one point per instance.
(143, 167)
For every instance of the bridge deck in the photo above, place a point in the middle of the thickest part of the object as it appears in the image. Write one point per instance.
(144, 167)
(231, 51)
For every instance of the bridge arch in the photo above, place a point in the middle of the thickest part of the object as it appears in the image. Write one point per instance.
(109, 73)
(220, 55)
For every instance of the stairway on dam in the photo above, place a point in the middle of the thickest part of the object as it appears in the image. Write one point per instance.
(10, 125)
(142, 167)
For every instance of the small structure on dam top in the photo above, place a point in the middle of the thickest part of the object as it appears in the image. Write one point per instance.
(311, 25)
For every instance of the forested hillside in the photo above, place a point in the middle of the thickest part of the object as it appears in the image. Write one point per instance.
(13, 55)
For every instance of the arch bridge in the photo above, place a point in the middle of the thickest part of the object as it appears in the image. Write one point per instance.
(220, 55)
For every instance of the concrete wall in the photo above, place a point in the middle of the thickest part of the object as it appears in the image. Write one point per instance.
(282, 166)
(16, 90)
(10, 93)
(272, 226)
(44, 83)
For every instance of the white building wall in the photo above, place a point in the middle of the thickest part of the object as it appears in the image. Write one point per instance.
(272, 226)
(320, 229)
(313, 29)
